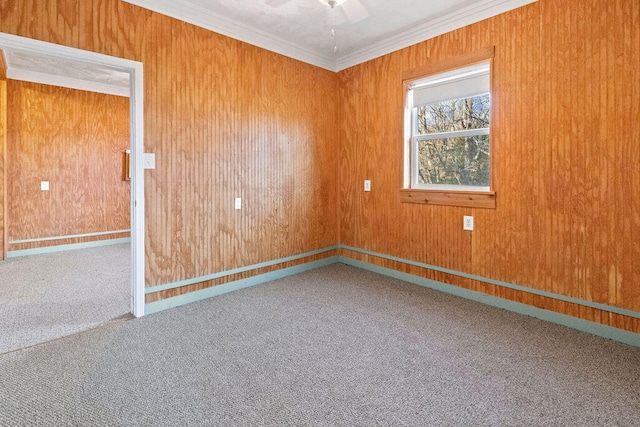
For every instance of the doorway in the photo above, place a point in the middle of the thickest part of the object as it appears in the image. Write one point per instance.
(51, 57)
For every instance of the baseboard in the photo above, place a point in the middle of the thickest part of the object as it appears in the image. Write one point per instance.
(68, 236)
(69, 247)
(167, 303)
(587, 326)
(239, 270)
(500, 283)
(593, 328)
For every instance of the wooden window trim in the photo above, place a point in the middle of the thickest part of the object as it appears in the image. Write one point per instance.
(470, 199)
(449, 64)
(473, 199)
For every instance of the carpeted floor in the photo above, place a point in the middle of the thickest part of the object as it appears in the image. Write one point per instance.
(337, 346)
(47, 296)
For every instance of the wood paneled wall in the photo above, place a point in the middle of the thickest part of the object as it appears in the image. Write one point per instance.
(74, 140)
(236, 121)
(225, 120)
(3, 140)
(228, 120)
(565, 147)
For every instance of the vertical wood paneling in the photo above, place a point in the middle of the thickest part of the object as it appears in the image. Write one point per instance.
(73, 139)
(3, 160)
(225, 120)
(627, 24)
(565, 146)
(230, 120)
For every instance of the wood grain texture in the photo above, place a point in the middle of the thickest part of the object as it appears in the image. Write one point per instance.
(236, 121)
(565, 153)
(3, 148)
(448, 64)
(74, 140)
(225, 120)
(228, 120)
(471, 199)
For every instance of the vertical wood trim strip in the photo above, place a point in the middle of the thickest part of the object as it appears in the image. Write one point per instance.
(3, 159)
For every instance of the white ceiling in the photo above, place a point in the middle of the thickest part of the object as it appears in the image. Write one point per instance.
(301, 29)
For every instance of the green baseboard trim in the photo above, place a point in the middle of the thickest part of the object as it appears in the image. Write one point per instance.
(70, 236)
(165, 304)
(69, 247)
(593, 328)
(559, 297)
(187, 282)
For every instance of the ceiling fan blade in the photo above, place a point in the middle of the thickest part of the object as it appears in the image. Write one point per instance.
(277, 3)
(355, 10)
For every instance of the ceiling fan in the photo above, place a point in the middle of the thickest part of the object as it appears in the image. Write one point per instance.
(354, 10)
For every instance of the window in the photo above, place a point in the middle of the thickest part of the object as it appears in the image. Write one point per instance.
(447, 133)
(450, 130)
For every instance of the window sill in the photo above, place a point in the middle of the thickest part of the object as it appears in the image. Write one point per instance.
(471, 199)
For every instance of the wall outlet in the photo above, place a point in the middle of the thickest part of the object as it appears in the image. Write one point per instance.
(44, 185)
(367, 185)
(238, 203)
(467, 223)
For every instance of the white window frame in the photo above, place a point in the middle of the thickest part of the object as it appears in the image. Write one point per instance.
(458, 83)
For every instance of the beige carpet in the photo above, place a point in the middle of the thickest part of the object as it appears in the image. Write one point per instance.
(47, 296)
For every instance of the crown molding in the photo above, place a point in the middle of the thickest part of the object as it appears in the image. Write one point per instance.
(204, 18)
(427, 30)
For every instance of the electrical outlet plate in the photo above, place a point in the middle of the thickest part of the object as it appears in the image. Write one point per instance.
(44, 185)
(467, 223)
(238, 203)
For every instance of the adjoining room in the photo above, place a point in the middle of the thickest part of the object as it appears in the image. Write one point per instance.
(68, 198)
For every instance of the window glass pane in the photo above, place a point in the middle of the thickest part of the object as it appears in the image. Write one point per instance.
(454, 115)
(456, 161)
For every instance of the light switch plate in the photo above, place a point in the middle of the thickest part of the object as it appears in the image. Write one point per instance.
(367, 185)
(238, 203)
(149, 160)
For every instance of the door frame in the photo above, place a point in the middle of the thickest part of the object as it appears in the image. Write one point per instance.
(136, 134)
